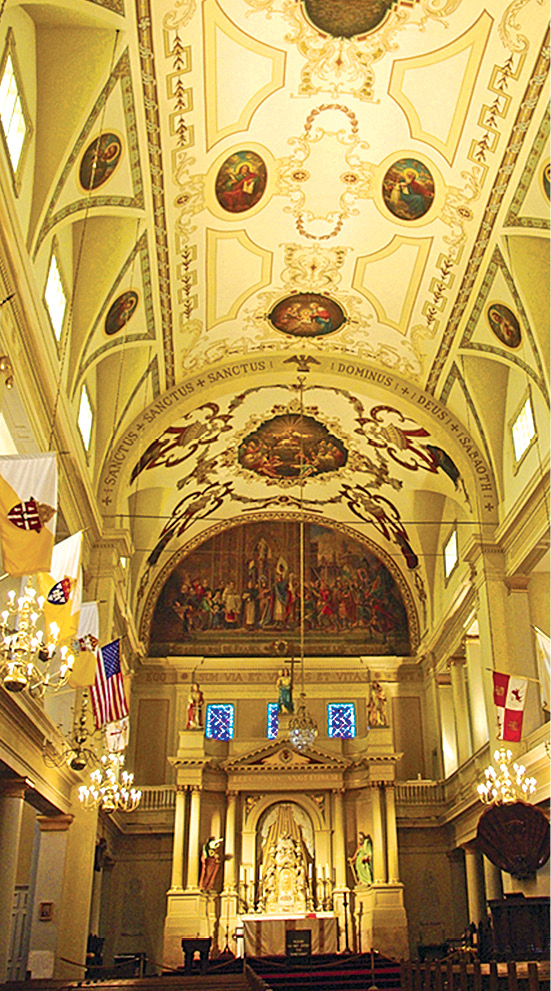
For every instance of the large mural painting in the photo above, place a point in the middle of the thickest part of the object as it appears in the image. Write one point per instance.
(239, 591)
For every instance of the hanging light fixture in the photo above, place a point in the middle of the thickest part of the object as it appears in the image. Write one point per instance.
(111, 788)
(27, 653)
(508, 784)
(303, 729)
(77, 755)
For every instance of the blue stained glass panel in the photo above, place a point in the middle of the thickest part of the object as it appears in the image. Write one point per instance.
(341, 720)
(272, 720)
(220, 719)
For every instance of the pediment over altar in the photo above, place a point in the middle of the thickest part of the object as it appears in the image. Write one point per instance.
(281, 758)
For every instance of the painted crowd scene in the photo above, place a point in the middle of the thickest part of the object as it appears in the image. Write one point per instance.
(240, 591)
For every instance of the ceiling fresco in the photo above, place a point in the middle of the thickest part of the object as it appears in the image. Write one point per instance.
(298, 276)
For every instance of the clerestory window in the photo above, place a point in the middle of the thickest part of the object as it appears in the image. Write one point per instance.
(15, 120)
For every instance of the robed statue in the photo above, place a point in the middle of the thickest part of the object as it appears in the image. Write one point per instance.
(361, 860)
(195, 704)
(284, 685)
(210, 862)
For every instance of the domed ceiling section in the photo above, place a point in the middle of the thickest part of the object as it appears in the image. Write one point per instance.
(296, 231)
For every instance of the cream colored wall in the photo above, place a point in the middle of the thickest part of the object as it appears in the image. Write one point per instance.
(407, 730)
(133, 919)
(250, 697)
(434, 886)
(536, 886)
(445, 591)
(538, 596)
(517, 477)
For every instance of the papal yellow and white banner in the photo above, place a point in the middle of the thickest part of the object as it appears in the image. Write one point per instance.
(28, 505)
(85, 647)
(61, 587)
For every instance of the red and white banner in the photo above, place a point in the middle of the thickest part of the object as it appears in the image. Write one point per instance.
(509, 699)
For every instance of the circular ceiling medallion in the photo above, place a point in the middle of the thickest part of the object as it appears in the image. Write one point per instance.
(99, 161)
(408, 189)
(504, 324)
(307, 314)
(347, 18)
(291, 446)
(241, 181)
(121, 311)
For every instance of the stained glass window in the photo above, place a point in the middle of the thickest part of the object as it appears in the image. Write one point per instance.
(220, 719)
(341, 720)
(272, 720)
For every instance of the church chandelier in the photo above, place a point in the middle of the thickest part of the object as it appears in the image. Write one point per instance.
(29, 654)
(303, 728)
(80, 750)
(111, 788)
(509, 783)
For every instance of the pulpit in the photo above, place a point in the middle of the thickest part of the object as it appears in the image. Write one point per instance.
(192, 945)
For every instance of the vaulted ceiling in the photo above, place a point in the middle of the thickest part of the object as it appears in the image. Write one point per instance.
(309, 257)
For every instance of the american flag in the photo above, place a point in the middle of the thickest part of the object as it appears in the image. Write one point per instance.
(108, 699)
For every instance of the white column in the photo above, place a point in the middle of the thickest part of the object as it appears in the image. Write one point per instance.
(475, 885)
(477, 686)
(391, 834)
(379, 852)
(506, 638)
(339, 851)
(12, 796)
(76, 893)
(447, 724)
(50, 872)
(229, 842)
(492, 880)
(461, 711)
(193, 849)
(96, 902)
(177, 879)
(433, 754)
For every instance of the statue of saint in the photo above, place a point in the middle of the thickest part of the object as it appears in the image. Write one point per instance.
(195, 708)
(376, 707)
(284, 685)
(361, 860)
(210, 862)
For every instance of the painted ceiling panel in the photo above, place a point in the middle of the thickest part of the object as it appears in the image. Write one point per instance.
(299, 201)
